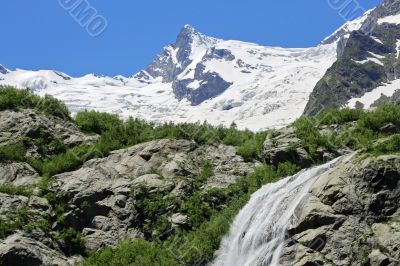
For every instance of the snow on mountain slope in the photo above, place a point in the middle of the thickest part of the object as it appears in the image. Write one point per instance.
(371, 97)
(196, 79)
(347, 28)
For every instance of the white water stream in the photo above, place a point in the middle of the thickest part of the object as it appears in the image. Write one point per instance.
(257, 235)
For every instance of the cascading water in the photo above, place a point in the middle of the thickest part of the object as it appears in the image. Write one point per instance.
(257, 236)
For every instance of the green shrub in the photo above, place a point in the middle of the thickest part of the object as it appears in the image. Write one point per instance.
(13, 220)
(205, 173)
(95, 122)
(14, 99)
(339, 116)
(252, 148)
(133, 253)
(307, 131)
(381, 116)
(72, 241)
(16, 190)
(389, 146)
(14, 152)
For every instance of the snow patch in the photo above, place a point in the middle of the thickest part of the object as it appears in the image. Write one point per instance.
(370, 97)
(395, 19)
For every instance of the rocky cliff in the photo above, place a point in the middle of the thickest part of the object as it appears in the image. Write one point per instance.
(367, 58)
(350, 217)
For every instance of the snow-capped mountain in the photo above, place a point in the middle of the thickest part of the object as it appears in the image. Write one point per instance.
(368, 64)
(201, 78)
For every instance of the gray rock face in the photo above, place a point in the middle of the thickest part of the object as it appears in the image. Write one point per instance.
(15, 125)
(287, 147)
(18, 250)
(211, 85)
(351, 216)
(17, 174)
(176, 57)
(101, 195)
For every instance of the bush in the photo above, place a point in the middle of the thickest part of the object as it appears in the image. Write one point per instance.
(252, 148)
(133, 253)
(205, 173)
(95, 122)
(14, 99)
(392, 145)
(383, 115)
(12, 221)
(339, 116)
(14, 152)
(307, 131)
(16, 190)
(72, 241)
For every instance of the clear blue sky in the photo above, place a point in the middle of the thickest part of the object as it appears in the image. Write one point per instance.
(42, 35)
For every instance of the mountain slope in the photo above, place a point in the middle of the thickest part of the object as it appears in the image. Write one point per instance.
(367, 63)
(198, 78)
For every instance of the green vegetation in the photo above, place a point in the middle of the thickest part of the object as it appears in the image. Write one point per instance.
(210, 216)
(117, 134)
(12, 221)
(14, 99)
(356, 129)
(209, 212)
(72, 241)
(388, 146)
(16, 190)
(15, 152)
(205, 173)
(133, 253)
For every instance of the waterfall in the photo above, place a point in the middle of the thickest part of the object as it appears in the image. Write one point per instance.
(257, 235)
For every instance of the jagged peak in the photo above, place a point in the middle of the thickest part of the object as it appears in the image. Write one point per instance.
(189, 34)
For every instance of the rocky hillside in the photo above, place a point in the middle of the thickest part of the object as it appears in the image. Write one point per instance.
(176, 179)
(367, 58)
(98, 190)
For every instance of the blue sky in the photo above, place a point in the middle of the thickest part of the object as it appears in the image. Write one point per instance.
(43, 35)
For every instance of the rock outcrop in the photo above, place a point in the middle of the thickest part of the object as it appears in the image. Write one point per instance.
(285, 146)
(18, 250)
(16, 125)
(100, 197)
(351, 216)
(17, 174)
(101, 200)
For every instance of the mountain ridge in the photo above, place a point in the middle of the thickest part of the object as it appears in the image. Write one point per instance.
(202, 78)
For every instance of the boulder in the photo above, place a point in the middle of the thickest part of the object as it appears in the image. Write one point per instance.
(18, 174)
(18, 250)
(286, 148)
(15, 125)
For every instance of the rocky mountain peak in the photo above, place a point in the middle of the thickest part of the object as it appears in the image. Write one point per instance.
(177, 56)
(189, 35)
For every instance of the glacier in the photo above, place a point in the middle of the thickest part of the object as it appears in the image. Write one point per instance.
(197, 79)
